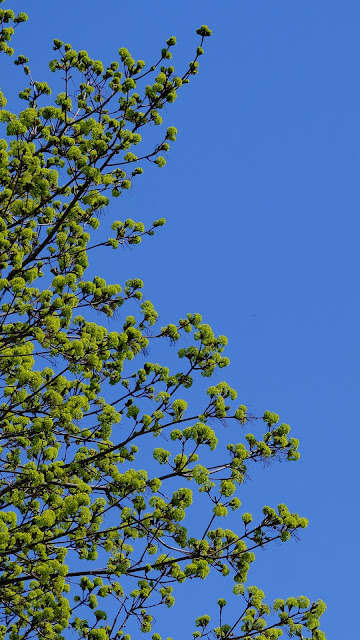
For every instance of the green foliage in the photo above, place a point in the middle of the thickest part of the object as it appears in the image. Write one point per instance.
(70, 452)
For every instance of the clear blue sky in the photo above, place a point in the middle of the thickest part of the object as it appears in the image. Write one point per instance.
(262, 239)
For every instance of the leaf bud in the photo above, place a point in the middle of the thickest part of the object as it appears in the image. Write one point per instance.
(204, 31)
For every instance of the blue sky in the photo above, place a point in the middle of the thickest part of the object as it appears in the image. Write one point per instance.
(261, 195)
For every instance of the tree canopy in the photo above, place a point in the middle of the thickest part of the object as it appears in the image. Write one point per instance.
(91, 544)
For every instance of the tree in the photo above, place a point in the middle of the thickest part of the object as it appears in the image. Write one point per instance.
(81, 523)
